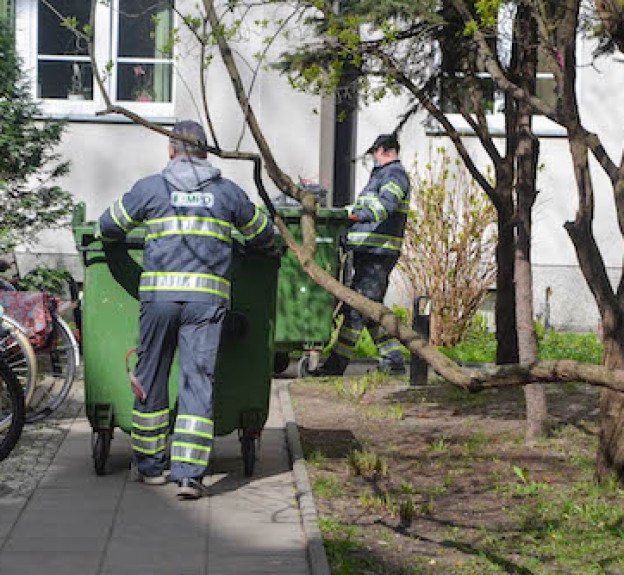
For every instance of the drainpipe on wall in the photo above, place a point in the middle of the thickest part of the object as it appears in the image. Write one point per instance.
(345, 138)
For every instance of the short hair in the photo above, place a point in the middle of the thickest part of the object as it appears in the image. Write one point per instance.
(192, 130)
(385, 141)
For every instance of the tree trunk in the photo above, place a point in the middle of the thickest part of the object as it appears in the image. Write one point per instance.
(610, 458)
(524, 64)
(505, 307)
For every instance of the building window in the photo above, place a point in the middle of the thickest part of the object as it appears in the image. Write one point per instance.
(132, 45)
(144, 63)
(63, 65)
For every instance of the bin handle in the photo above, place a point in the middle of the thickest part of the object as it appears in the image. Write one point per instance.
(137, 388)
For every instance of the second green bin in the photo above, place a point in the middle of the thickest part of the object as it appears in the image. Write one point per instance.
(304, 309)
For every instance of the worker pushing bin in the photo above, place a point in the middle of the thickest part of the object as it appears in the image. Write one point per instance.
(305, 311)
(110, 332)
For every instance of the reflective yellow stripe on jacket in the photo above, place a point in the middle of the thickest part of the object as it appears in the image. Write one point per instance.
(188, 225)
(374, 205)
(185, 281)
(255, 226)
(374, 240)
(120, 216)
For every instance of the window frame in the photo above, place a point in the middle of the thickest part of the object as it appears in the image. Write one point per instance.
(106, 34)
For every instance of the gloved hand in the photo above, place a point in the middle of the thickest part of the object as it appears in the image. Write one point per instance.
(350, 213)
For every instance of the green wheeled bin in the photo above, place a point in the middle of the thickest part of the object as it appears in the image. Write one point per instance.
(305, 311)
(111, 329)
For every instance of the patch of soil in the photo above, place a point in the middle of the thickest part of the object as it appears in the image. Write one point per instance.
(457, 468)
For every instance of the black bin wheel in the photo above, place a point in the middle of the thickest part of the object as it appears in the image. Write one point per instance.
(248, 449)
(281, 360)
(101, 449)
(303, 367)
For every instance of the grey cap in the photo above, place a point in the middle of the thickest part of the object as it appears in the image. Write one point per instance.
(191, 129)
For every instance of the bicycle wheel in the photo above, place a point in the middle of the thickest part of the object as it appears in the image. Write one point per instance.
(11, 410)
(17, 352)
(56, 369)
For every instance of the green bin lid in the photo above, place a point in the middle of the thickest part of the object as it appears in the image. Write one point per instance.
(323, 213)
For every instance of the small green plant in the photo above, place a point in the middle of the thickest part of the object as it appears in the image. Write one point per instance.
(327, 487)
(477, 345)
(368, 462)
(477, 442)
(428, 508)
(355, 389)
(385, 502)
(330, 526)
(407, 510)
(522, 473)
(393, 411)
(407, 488)
(440, 445)
(526, 487)
(372, 502)
(316, 458)
(437, 490)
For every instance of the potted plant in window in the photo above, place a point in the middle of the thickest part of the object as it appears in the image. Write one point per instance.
(76, 89)
(143, 85)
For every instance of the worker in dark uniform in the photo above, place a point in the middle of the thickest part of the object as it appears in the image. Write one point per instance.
(189, 212)
(376, 237)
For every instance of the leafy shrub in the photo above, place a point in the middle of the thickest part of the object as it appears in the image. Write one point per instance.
(450, 239)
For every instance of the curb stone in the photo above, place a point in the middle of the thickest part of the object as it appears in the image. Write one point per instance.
(317, 558)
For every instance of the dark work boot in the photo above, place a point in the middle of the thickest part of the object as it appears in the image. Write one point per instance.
(334, 365)
(392, 364)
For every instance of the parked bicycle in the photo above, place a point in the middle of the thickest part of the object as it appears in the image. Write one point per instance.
(48, 379)
(12, 408)
(18, 353)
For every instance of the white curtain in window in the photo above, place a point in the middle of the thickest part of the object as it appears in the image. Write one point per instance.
(162, 72)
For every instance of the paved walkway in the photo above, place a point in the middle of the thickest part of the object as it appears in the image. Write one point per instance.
(69, 521)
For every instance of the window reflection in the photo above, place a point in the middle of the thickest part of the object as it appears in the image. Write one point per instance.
(63, 66)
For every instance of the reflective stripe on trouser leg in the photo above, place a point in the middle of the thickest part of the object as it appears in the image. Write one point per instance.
(158, 327)
(149, 432)
(346, 341)
(387, 345)
(192, 440)
(200, 333)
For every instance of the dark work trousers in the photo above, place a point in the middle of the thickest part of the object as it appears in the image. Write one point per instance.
(371, 278)
(195, 329)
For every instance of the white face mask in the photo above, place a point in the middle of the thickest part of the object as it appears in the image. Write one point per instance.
(375, 163)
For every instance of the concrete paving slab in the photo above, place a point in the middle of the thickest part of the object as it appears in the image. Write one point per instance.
(78, 523)
(9, 512)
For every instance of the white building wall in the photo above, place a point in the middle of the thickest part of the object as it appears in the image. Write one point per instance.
(109, 154)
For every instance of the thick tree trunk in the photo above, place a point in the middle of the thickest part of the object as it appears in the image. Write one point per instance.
(505, 310)
(610, 458)
(524, 64)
